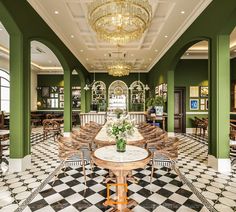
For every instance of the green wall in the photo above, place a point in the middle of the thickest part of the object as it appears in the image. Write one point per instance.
(56, 80)
(233, 69)
(191, 73)
(108, 79)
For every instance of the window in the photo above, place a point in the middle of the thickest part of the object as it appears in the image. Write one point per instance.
(4, 91)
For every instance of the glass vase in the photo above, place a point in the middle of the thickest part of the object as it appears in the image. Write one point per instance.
(120, 144)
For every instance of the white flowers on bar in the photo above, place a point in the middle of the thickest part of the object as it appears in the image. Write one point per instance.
(120, 127)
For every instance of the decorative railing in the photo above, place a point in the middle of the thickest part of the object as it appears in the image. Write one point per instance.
(100, 118)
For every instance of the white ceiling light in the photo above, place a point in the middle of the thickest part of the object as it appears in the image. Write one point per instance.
(166, 36)
(56, 12)
(182, 12)
(156, 50)
(81, 50)
(72, 36)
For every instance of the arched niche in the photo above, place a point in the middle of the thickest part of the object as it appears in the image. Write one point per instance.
(137, 96)
(99, 95)
(118, 95)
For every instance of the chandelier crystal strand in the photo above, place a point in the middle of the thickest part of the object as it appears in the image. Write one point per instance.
(120, 21)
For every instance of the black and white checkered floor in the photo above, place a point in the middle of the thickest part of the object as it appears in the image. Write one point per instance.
(204, 188)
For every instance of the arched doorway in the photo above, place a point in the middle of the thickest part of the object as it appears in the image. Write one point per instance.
(118, 96)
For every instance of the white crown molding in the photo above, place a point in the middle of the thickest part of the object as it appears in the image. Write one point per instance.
(191, 18)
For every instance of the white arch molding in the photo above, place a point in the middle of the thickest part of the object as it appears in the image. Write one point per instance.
(118, 96)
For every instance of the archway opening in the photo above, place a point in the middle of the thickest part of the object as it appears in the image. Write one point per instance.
(191, 89)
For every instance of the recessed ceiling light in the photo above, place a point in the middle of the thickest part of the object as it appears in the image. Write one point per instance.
(72, 36)
(81, 50)
(87, 59)
(156, 50)
(56, 12)
(132, 55)
(105, 55)
(182, 12)
(166, 36)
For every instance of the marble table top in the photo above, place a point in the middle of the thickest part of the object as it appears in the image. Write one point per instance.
(102, 136)
(132, 153)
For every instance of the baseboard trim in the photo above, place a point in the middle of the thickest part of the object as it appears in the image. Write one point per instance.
(19, 164)
(222, 165)
(171, 134)
(190, 130)
(66, 134)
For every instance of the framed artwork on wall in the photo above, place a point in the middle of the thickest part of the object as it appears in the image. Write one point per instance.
(45, 91)
(61, 97)
(194, 104)
(194, 91)
(61, 90)
(202, 107)
(204, 91)
(61, 104)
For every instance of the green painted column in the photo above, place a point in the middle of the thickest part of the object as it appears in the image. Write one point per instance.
(170, 101)
(88, 99)
(219, 103)
(20, 86)
(83, 98)
(219, 100)
(67, 101)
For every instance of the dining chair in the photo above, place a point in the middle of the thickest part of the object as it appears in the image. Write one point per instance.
(71, 154)
(51, 126)
(165, 155)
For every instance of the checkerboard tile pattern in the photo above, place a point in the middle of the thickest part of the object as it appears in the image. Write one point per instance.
(68, 193)
(16, 187)
(219, 189)
(166, 193)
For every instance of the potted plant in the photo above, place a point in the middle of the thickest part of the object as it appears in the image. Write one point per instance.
(155, 105)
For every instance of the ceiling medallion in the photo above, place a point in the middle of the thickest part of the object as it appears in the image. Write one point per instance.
(120, 21)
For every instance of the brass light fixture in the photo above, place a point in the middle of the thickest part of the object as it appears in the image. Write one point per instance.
(119, 67)
(119, 21)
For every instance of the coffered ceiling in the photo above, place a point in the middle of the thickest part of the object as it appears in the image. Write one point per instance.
(68, 19)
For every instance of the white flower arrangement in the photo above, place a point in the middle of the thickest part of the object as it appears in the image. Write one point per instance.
(120, 127)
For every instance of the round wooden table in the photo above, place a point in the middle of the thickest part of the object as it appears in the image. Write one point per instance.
(120, 164)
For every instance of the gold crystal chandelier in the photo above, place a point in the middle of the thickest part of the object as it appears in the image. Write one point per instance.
(119, 21)
(119, 69)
